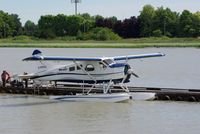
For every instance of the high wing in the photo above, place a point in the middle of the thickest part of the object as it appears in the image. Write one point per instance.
(139, 56)
(58, 58)
(37, 56)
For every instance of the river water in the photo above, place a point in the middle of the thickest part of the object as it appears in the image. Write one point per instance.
(180, 67)
(34, 115)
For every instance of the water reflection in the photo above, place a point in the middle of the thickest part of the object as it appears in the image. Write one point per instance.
(22, 101)
(138, 117)
(26, 104)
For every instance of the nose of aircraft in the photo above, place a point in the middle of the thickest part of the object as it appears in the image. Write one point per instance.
(128, 72)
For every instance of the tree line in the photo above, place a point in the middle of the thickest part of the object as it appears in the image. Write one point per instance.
(150, 23)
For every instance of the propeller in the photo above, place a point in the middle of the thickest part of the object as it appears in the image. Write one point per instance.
(128, 72)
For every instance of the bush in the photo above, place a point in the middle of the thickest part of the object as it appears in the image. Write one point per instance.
(80, 36)
(100, 34)
(22, 37)
(157, 33)
(47, 34)
(67, 38)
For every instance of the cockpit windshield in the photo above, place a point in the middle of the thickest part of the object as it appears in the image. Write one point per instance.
(108, 61)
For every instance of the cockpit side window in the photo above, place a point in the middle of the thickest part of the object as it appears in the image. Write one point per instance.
(78, 67)
(102, 65)
(89, 67)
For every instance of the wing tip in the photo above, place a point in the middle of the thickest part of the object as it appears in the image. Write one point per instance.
(162, 54)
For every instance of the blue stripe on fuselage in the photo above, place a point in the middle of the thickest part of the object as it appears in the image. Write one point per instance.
(117, 65)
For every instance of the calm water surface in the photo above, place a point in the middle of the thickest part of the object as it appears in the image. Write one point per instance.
(179, 68)
(33, 115)
(37, 116)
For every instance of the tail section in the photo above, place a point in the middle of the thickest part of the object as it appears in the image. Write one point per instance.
(36, 52)
(37, 57)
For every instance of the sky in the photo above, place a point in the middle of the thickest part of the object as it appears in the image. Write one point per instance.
(33, 9)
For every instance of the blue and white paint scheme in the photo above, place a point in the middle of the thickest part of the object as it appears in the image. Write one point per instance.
(85, 70)
(104, 71)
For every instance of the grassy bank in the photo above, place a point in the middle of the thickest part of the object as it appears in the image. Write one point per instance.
(124, 43)
(99, 45)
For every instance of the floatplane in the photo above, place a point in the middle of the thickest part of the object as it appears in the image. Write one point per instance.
(97, 71)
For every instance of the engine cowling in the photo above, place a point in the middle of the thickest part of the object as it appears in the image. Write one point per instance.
(128, 72)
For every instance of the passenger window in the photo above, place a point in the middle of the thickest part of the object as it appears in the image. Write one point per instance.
(63, 69)
(71, 68)
(89, 68)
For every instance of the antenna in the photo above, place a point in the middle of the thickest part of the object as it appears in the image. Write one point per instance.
(76, 3)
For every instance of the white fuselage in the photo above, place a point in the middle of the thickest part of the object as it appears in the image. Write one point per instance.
(87, 72)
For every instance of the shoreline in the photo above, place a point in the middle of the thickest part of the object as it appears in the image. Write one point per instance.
(124, 43)
(97, 45)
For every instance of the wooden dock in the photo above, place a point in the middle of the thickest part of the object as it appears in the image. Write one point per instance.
(170, 94)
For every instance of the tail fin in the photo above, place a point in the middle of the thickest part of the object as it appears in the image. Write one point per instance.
(36, 52)
(36, 55)
(41, 65)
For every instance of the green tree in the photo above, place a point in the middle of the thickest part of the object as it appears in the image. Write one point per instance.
(46, 25)
(166, 21)
(15, 25)
(186, 24)
(1, 25)
(30, 28)
(5, 25)
(196, 23)
(10, 25)
(60, 25)
(88, 22)
(146, 21)
(74, 24)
